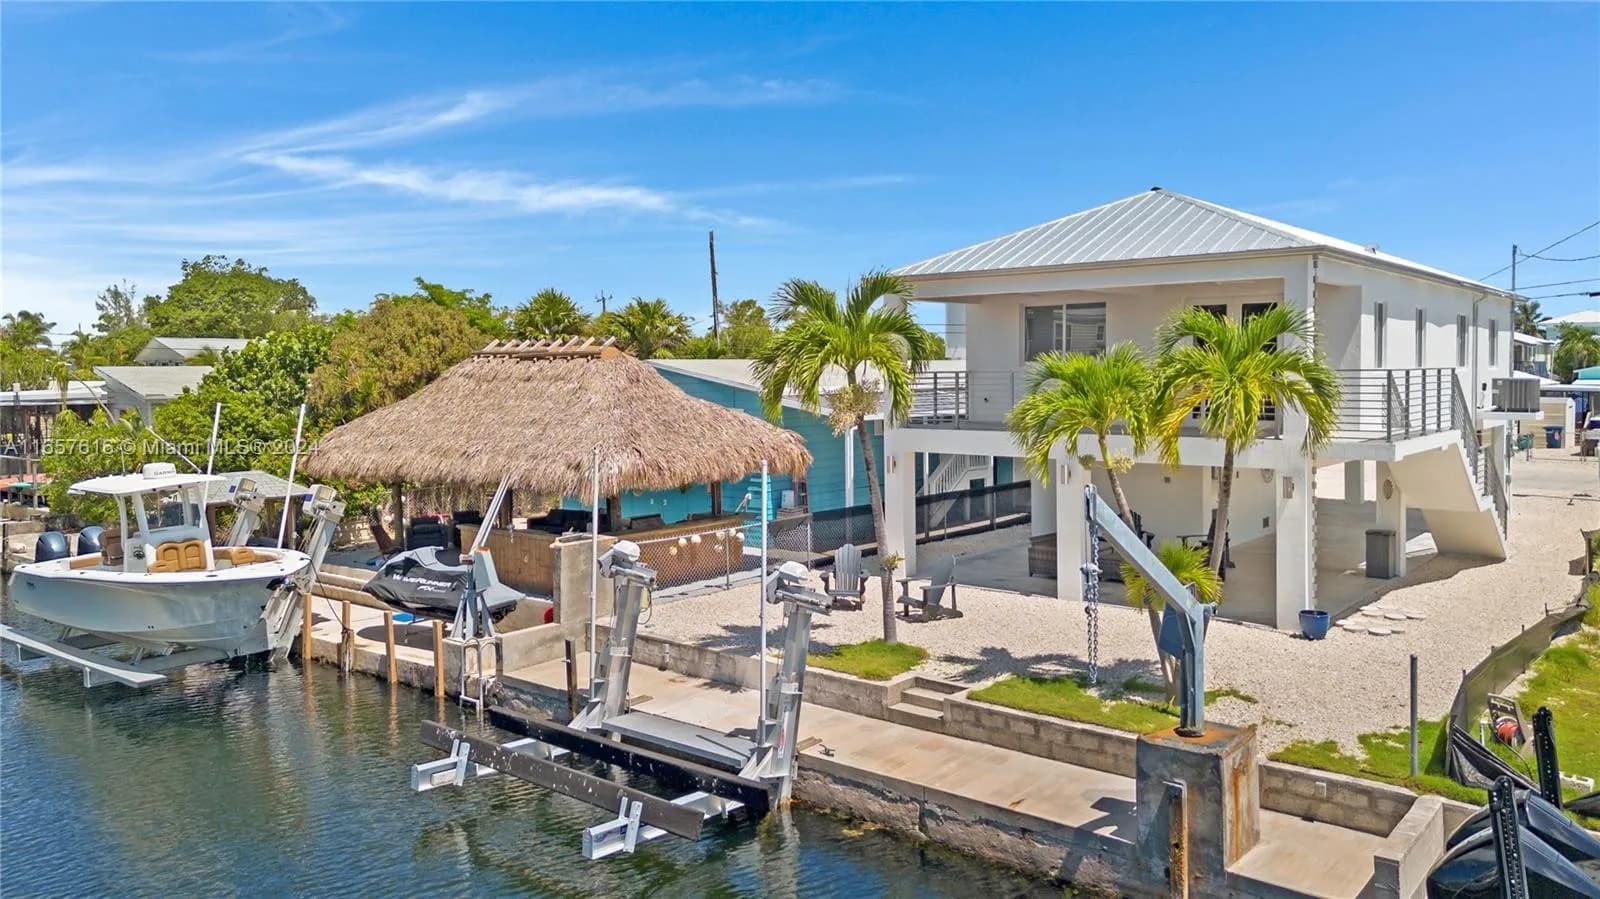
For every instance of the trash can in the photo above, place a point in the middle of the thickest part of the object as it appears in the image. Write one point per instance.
(1552, 436)
(1381, 561)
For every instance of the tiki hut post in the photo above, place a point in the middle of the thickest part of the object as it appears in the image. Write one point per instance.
(716, 499)
(613, 516)
(399, 495)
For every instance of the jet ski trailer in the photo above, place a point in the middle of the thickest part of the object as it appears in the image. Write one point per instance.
(723, 773)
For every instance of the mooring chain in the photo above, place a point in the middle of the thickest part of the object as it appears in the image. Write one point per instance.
(1091, 600)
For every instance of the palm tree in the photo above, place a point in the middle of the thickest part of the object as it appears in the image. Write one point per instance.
(1576, 347)
(877, 348)
(1071, 394)
(1232, 370)
(1186, 563)
(26, 330)
(547, 315)
(647, 327)
(1526, 317)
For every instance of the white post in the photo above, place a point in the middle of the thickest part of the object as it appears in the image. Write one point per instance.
(761, 599)
(211, 445)
(850, 468)
(1392, 514)
(594, 566)
(294, 457)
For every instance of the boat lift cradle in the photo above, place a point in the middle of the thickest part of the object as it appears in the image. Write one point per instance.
(82, 651)
(728, 773)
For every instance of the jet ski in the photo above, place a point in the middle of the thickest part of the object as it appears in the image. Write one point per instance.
(432, 581)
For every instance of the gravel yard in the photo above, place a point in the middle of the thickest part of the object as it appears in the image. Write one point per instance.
(1333, 689)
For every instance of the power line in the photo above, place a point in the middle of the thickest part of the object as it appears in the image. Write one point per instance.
(1558, 259)
(1556, 284)
(1579, 293)
(1589, 227)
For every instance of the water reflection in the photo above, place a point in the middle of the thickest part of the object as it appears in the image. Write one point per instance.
(231, 781)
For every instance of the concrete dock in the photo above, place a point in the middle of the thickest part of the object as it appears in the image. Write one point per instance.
(1018, 808)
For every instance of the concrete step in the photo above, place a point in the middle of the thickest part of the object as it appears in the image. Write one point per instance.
(916, 716)
(923, 697)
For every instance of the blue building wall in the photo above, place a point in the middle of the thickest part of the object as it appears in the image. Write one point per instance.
(825, 481)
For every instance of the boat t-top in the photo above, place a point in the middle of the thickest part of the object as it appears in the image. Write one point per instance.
(157, 583)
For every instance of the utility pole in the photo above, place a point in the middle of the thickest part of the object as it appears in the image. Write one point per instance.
(602, 298)
(716, 308)
(1513, 268)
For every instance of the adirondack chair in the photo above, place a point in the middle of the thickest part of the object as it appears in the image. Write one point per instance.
(931, 604)
(847, 582)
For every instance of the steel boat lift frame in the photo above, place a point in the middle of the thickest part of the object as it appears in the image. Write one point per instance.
(83, 650)
(727, 773)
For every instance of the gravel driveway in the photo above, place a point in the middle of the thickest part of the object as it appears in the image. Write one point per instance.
(1334, 689)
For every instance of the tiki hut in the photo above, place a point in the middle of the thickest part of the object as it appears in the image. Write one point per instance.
(537, 411)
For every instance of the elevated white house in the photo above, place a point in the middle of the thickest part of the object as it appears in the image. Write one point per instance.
(1425, 357)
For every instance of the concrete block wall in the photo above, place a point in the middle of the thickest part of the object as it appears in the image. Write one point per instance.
(1084, 745)
(1400, 869)
(1363, 805)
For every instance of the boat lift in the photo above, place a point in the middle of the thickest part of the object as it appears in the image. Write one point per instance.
(728, 773)
(1183, 619)
(84, 650)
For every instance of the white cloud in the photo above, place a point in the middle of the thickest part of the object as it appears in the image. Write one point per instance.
(308, 20)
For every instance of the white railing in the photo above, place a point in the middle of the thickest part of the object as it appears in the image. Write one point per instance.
(953, 473)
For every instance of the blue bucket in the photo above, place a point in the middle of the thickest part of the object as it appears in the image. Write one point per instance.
(1313, 624)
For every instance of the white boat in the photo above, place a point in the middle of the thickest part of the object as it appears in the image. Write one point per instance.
(160, 585)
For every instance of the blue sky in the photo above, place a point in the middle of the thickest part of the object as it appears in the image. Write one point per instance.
(509, 147)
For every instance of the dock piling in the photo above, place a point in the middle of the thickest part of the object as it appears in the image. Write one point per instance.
(388, 647)
(347, 639)
(438, 658)
(305, 626)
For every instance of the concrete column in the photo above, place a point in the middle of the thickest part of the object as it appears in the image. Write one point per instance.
(1296, 509)
(1069, 481)
(900, 504)
(1042, 502)
(1355, 485)
(1392, 514)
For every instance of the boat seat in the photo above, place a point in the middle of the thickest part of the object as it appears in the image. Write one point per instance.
(89, 561)
(237, 555)
(111, 545)
(186, 555)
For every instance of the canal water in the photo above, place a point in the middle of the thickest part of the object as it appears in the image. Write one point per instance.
(295, 782)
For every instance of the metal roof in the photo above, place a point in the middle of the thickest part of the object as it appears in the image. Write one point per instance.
(1156, 224)
(188, 347)
(79, 393)
(154, 381)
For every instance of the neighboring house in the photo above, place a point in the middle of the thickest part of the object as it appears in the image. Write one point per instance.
(837, 478)
(180, 350)
(142, 388)
(1532, 354)
(1587, 318)
(1425, 357)
(27, 419)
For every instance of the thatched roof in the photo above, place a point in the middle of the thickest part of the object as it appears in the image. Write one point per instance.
(537, 410)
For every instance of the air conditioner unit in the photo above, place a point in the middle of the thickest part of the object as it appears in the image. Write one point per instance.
(786, 499)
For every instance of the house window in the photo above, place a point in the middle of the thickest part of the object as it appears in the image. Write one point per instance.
(1422, 338)
(1380, 324)
(1080, 328)
(1461, 341)
(1251, 310)
(1494, 343)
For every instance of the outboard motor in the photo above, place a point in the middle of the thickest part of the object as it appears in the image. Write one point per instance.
(50, 546)
(89, 540)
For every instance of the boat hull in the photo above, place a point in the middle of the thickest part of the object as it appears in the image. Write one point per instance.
(223, 612)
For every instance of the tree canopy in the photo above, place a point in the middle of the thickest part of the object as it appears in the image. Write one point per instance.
(1576, 347)
(387, 354)
(222, 297)
(547, 315)
(478, 308)
(647, 328)
(260, 388)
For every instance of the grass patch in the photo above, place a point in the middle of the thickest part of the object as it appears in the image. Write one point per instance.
(1065, 697)
(1386, 756)
(872, 660)
(1566, 680)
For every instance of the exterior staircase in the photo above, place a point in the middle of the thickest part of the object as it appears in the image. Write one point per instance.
(922, 705)
(1460, 489)
(953, 473)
